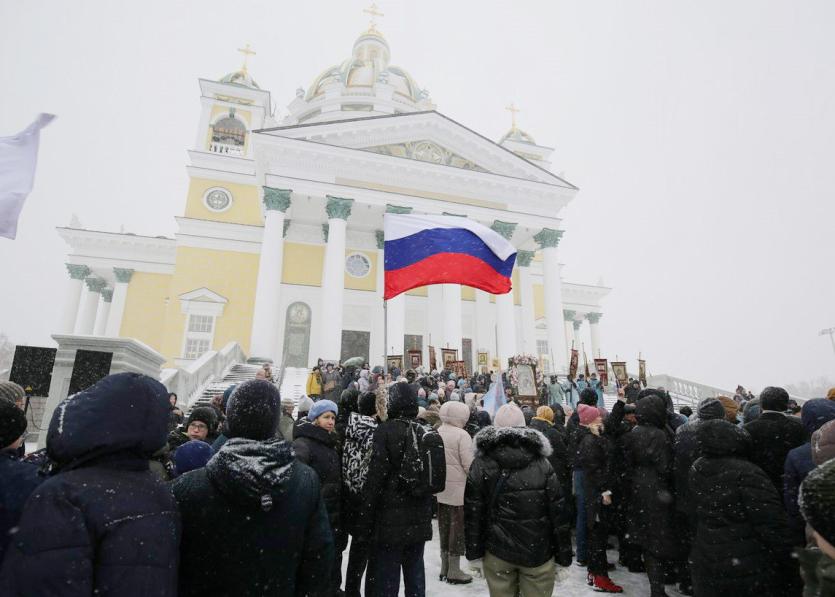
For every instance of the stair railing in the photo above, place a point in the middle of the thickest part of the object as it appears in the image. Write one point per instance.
(189, 383)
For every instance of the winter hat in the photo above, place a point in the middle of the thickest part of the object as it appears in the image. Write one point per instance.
(773, 398)
(588, 397)
(816, 412)
(751, 411)
(587, 414)
(421, 412)
(823, 443)
(710, 408)
(368, 404)
(12, 423)
(455, 397)
(402, 401)
(509, 415)
(545, 413)
(817, 500)
(11, 392)
(253, 410)
(830, 395)
(730, 406)
(192, 455)
(305, 404)
(433, 397)
(287, 401)
(227, 393)
(204, 414)
(321, 407)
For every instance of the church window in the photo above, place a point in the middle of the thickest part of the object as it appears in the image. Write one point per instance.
(201, 308)
(229, 131)
(201, 323)
(217, 199)
(195, 348)
(357, 265)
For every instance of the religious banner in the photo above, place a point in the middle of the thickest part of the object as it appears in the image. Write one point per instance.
(482, 361)
(395, 361)
(433, 364)
(573, 364)
(415, 358)
(449, 355)
(602, 367)
(586, 365)
(619, 368)
(642, 372)
(459, 368)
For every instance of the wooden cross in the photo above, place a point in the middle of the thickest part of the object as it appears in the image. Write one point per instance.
(247, 52)
(374, 12)
(513, 111)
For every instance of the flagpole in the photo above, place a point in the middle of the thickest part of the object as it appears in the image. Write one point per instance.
(385, 341)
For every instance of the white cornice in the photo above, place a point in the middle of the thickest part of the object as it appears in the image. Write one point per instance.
(219, 236)
(102, 251)
(259, 97)
(221, 162)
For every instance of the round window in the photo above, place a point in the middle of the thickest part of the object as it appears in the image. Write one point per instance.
(218, 199)
(357, 265)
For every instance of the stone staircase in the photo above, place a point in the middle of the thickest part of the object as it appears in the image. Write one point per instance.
(238, 373)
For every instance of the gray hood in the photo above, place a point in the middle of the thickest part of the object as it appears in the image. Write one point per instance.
(710, 408)
(251, 471)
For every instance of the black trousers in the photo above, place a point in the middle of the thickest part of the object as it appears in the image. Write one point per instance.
(357, 562)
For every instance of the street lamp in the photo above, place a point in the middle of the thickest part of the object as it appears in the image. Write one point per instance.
(831, 333)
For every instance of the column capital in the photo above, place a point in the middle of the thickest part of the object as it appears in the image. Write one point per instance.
(568, 315)
(397, 209)
(594, 317)
(548, 237)
(277, 199)
(381, 238)
(524, 258)
(577, 324)
(325, 230)
(505, 229)
(446, 213)
(286, 228)
(107, 294)
(78, 272)
(95, 284)
(123, 274)
(338, 207)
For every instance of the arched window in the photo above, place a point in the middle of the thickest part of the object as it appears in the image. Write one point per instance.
(229, 131)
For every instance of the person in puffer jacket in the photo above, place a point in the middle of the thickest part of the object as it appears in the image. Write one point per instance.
(458, 452)
(254, 522)
(356, 456)
(515, 515)
(103, 524)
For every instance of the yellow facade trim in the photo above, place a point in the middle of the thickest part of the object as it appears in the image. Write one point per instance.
(245, 209)
(145, 309)
(364, 184)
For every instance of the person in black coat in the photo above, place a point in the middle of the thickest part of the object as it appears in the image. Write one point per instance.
(774, 434)
(649, 456)
(103, 524)
(316, 445)
(545, 424)
(254, 522)
(686, 451)
(400, 522)
(589, 398)
(17, 478)
(740, 548)
(514, 511)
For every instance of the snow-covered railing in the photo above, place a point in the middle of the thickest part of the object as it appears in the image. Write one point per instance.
(189, 383)
(684, 391)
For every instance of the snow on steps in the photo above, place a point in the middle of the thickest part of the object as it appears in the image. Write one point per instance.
(238, 373)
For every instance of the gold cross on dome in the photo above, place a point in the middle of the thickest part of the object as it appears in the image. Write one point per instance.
(374, 12)
(247, 52)
(513, 111)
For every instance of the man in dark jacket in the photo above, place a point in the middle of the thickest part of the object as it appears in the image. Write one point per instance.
(740, 548)
(774, 434)
(254, 523)
(104, 524)
(17, 478)
(589, 398)
(515, 514)
(544, 423)
(814, 415)
(401, 522)
(686, 450)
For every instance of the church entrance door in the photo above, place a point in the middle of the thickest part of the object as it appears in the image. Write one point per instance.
(296, 335)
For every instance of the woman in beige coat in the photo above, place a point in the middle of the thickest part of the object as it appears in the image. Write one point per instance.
(458, 450)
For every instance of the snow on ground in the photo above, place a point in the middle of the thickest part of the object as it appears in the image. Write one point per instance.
(570, 581)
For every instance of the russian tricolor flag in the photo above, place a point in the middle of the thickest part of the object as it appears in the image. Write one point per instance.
(422, 250)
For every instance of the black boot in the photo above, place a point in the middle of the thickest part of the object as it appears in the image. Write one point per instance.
(655, 572)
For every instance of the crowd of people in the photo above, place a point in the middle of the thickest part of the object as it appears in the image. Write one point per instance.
(255, 495)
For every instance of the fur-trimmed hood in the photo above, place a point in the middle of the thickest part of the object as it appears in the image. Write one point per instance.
(511, 447)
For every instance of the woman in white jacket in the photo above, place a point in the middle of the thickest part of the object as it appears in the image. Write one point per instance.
(458, 450)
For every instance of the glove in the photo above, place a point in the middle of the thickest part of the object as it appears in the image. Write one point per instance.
(476, 568)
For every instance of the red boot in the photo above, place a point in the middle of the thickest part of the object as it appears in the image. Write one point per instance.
(604, 584)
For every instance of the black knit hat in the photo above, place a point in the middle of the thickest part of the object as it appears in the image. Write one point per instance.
(253, 410)
(204, 414)
(368, 404)
(12, 423)
(774, 398)
(817, 500)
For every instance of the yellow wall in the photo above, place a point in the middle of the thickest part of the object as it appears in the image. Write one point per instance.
(538, 301)
(245, 209)
(144, 317)
(368, 282)
(232, 275)
(303, 264)
(467, 293)
(419, 291)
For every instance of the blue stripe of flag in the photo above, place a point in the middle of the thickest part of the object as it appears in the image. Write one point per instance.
(408, 250)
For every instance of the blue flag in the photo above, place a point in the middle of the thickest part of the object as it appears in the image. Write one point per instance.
(494, 399)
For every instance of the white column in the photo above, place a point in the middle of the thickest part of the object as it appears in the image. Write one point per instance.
(266, 316)
(523, 259)
(548, 240)
(505, 328)
(570, 340)
(102, 312)
(435, 319)
(594, 332)
(89, 305)
(333, 277)
(73, 292)
(396, 319)
(452, 331)
(485, 338)
(578, 339)
(117, 305)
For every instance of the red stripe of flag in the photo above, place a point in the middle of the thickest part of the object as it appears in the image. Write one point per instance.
(446, 268)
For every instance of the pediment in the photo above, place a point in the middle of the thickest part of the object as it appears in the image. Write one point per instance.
(203, 295)
(425, 150)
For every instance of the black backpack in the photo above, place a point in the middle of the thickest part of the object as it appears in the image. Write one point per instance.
(423, 468)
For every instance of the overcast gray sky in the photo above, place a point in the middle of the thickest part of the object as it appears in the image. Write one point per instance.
(701, 135)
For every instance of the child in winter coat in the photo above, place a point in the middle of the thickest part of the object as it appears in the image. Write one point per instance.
(458, 451)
